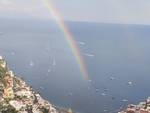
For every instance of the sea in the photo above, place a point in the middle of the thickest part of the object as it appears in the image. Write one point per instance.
(117, 57)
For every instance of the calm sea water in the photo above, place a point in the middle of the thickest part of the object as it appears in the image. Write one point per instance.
(117, 57)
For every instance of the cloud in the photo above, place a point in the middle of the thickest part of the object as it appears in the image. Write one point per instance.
(6, 5)
(109, 11)
(23, 9)
(6, 2)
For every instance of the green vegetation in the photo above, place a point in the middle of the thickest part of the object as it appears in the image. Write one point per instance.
(2, 69)
(44, 110)
(9, 109)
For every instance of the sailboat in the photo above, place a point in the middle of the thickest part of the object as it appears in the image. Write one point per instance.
(54, 62)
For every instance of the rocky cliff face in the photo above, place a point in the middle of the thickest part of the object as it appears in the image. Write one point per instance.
(142, 107)
(18, 97)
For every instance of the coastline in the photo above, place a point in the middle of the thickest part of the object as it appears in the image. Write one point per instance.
(142, 107)
(16, 96)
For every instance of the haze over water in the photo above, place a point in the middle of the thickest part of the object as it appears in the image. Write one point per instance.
(117, 57)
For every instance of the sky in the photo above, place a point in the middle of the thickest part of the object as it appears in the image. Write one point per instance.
(103, 11)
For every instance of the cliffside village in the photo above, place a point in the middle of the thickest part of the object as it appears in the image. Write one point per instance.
(17, 97)
(142, 107)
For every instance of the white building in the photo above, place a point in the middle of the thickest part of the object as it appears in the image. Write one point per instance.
(17, 104)
(1, 58)
(21, 93)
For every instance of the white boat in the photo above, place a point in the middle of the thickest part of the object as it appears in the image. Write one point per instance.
(54, 62)
(89, 55)
(81, 43)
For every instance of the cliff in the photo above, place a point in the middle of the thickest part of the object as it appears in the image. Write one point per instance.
(18, 97)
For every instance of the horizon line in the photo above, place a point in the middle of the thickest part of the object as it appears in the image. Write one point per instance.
(75, 21)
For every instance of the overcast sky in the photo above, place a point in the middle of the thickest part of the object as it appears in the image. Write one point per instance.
(108, 11)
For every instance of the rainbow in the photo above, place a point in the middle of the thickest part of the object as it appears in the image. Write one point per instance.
(68, 36)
